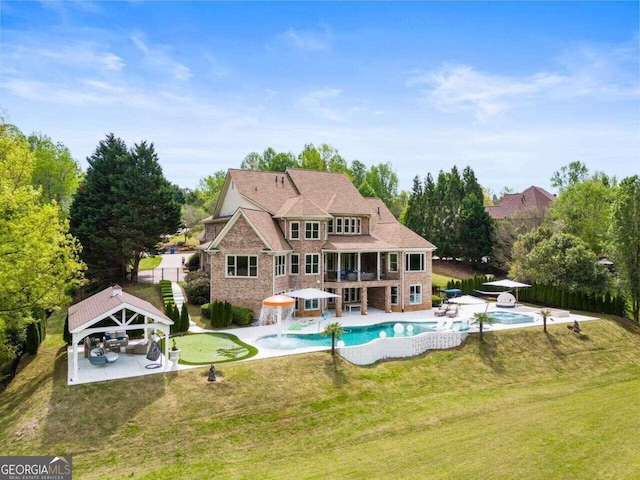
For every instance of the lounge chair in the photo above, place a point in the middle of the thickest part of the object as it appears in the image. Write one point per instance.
(453, 312)
(442, 311)
(506, 300)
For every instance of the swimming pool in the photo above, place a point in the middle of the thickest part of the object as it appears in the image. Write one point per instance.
(509, 318)
(353, 335)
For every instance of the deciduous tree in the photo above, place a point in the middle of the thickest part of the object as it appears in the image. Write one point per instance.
(625, 236)
(38, 257)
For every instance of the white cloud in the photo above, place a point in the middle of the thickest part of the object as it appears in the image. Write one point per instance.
(307, 40)
(461, 87)
(158, 57)
(317, 102)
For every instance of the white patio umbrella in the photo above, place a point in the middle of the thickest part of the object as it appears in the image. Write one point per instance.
(508, 284)
(467, 300)
(310, 294)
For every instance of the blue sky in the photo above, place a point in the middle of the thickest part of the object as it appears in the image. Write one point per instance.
(514, 89)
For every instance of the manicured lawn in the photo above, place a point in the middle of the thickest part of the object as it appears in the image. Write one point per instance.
(522, 404)
(208, 348)
(149, 263)
(439, 280)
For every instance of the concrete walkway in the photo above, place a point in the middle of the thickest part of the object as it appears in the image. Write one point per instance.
(178, 299)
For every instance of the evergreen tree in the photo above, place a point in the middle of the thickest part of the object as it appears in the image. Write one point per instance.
(476, 228)
(625, 236)
(122, 209)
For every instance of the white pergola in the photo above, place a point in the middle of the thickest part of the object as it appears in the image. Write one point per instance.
(112, 303)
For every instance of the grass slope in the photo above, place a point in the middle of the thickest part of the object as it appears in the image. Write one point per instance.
(520, 405)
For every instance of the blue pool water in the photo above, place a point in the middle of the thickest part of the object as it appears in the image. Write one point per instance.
(351, 336)
(509, 318)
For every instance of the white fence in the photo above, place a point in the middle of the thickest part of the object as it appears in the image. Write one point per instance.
(401, 347)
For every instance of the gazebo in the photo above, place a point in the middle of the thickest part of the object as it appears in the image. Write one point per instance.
(121, 311)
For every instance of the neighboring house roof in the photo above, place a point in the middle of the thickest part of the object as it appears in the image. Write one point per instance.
(533, 198)
(262, 223)
(103, 304)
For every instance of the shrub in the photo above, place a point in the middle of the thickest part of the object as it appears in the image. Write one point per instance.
(436, 301)
(66, 335)
(221, 314)
(242, 316)
(184, 318)
(191, 276)
(194, 263)
(33, 338)
(198, 291)
(205, 309)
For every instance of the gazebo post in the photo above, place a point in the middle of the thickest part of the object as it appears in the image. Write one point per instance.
(75, 357)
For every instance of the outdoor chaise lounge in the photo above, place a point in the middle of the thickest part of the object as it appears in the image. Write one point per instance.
(442, 311)
(452, 312)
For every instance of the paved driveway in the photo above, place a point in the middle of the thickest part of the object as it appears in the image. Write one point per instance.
(170, 268)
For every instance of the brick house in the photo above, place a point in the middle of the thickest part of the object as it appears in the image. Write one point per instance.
(273, 232)
(528, 207)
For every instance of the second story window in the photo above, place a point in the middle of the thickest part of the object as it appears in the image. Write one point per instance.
(280, 265)
(312, 230)
(414, 262)
(312, 264)
(295, 264)
(294, 231)
(393, 262)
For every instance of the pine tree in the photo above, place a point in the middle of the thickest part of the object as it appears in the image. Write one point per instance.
(122, 209)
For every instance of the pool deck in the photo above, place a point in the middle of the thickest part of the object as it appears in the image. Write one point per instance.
(135, 365)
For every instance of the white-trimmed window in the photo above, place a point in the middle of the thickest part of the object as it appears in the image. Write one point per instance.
(330, 226)
(338, 226)
(242, 266)
(415, 294)
(394, 295)
(295, 264)
(311, 304)
(294, 230)
(312, 230)
(312, 263)
(414, 262)
(280, 265)
(393, 262)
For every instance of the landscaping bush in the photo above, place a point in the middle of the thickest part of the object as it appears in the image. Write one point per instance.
(220, 314)
(241, 316)
(194, 263)
(198, 291)
(205, 309)
(436, 301)
(33, 338)
(191, 276)
(184, 318)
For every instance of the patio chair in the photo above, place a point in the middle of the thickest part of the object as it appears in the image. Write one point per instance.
(98, 357)
(442, 311)
(453, 312)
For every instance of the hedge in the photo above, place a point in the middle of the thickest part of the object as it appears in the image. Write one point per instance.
(553, 296)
